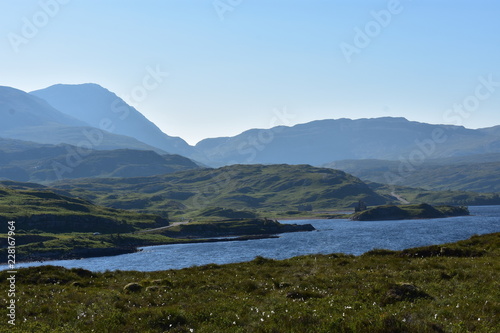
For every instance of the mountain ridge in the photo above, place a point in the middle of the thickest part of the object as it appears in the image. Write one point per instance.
(29, 118)
(100, 107)
(322, 141)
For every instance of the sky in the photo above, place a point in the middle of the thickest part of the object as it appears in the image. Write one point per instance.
(212, 68)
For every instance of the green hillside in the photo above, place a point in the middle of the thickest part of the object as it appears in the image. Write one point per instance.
(472, 173)
(256, 187)
(407, 194)
(49, 225)
(43, 210)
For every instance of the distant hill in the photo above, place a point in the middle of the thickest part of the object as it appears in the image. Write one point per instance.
(97, 106)
(256, 187)
(29, 118)
(323, 141)
(404, 195)
(25, 161)
(477, 173)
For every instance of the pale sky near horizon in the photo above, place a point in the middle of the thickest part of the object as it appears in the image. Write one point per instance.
(234, 64)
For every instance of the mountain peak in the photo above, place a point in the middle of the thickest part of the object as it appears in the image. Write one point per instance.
(97, 105)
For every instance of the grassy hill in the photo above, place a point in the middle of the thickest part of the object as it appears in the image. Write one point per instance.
(439, 288)
(419, 195)
(43, 210)
(472, 173)
(54, 226)
(255, 187)
(280, 189)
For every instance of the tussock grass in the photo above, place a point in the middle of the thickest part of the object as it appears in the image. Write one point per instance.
(380, 291)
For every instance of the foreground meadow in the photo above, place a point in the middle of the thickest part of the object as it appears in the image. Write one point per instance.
(446, 288)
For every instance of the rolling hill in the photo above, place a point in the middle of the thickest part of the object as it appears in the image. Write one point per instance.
(256, 187)
(43, 210)
(477, 173)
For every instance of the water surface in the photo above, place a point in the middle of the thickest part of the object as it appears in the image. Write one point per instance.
(332, 236)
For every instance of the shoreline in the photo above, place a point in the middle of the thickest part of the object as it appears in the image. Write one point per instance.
(115, 251)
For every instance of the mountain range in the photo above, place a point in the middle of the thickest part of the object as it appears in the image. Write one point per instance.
(65, 122)
(83, 113)
(30, 118)
(324, 141)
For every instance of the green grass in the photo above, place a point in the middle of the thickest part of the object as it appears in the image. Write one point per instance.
(418, 290)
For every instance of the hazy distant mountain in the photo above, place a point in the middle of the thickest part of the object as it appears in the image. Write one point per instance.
(26, 161)
(18, 109)
(103, 109)
(29, 118)
(323, 141)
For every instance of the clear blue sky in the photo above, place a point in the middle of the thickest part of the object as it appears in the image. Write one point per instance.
(228, 75)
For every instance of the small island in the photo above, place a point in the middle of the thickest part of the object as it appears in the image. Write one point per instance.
(408, 212)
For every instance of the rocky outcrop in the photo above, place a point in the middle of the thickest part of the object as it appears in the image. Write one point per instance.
(408, 212)
(235, 228)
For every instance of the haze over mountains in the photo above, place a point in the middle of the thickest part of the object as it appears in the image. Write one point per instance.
(30, 118)
(24, 161)
(324, 141)
(103, 109)
(88, 116)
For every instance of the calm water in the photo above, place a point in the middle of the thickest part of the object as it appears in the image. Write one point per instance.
(331, 236)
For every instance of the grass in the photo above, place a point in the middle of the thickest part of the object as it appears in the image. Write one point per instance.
(51, 212)
(418, 290)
